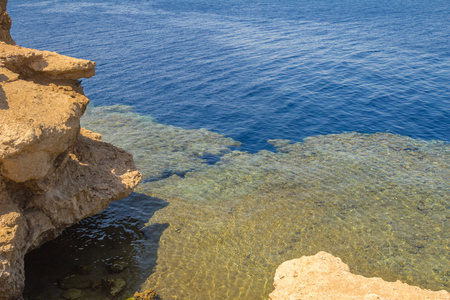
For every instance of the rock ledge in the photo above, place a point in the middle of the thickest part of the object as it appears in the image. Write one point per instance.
(324, 276)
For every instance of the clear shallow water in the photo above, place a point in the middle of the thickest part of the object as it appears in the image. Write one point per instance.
(219, 231)
(255, 71)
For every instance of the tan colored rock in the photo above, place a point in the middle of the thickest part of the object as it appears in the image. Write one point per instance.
(82, 182)
(37, 124)
(13, 234)
(52, 172)
(31, 63)
(324, 276)
(149, 294)
(5, 24)
(39, 118)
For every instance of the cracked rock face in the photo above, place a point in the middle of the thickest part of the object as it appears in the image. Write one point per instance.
(52, 172)
(324, 276)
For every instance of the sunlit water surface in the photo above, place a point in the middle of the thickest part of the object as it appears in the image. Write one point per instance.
(220, 208)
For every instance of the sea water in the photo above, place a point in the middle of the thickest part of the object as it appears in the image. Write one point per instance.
(196, 89)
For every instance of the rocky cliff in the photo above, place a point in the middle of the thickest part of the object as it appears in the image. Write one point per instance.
(5, 24)
(323, 276)
(52, 172)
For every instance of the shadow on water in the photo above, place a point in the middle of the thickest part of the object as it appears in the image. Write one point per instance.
(112, 244)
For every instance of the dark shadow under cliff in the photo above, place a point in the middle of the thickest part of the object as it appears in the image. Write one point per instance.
(91, 250)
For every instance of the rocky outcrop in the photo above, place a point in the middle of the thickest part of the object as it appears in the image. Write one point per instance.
(323, 276)
(5, 24)
(52, 172)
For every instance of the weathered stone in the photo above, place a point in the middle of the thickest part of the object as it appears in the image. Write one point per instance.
(38, 121)
(71, 294)
(323, 276)
(97, 284)
(113, 286)
(44, 65)
(83, 269)
(52, 172)
(75, 281)
(118, 266)
(5, 24)
(149, 294)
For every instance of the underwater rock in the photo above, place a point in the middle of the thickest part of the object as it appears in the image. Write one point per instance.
(96, 284)
(75, 281)
(118, 266)
(52, 172)
(159, 150)
(324, 276)
(348, 194)
(113, 286)
(149, 294)
(71, 294)
(83, 269)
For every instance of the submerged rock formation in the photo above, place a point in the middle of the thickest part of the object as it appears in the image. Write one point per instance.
(52, 172)
(323, 276)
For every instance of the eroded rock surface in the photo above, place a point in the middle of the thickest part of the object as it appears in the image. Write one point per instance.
(52, 172)
(324, 276)
(5, 24)
(40, 117)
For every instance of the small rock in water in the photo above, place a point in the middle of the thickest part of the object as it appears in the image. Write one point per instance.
(71, 294)
(149, 294)
(75, 281)
(118, 266)
(113, 286)
(96, 284)
(83, 269)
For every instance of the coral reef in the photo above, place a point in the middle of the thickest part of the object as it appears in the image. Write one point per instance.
(375, 200)
(159, 150)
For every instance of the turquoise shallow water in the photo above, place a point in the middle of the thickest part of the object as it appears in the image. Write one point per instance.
(221, 207)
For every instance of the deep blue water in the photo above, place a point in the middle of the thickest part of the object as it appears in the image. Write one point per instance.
(258, 70)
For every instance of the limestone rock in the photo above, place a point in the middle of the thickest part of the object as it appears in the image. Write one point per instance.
(32, 64)
(39, 119)
(52, 172)
(5, 24)
(323, 276)
(13, 234)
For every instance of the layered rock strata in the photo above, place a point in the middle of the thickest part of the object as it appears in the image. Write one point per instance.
(323, 276)
(52, 172)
